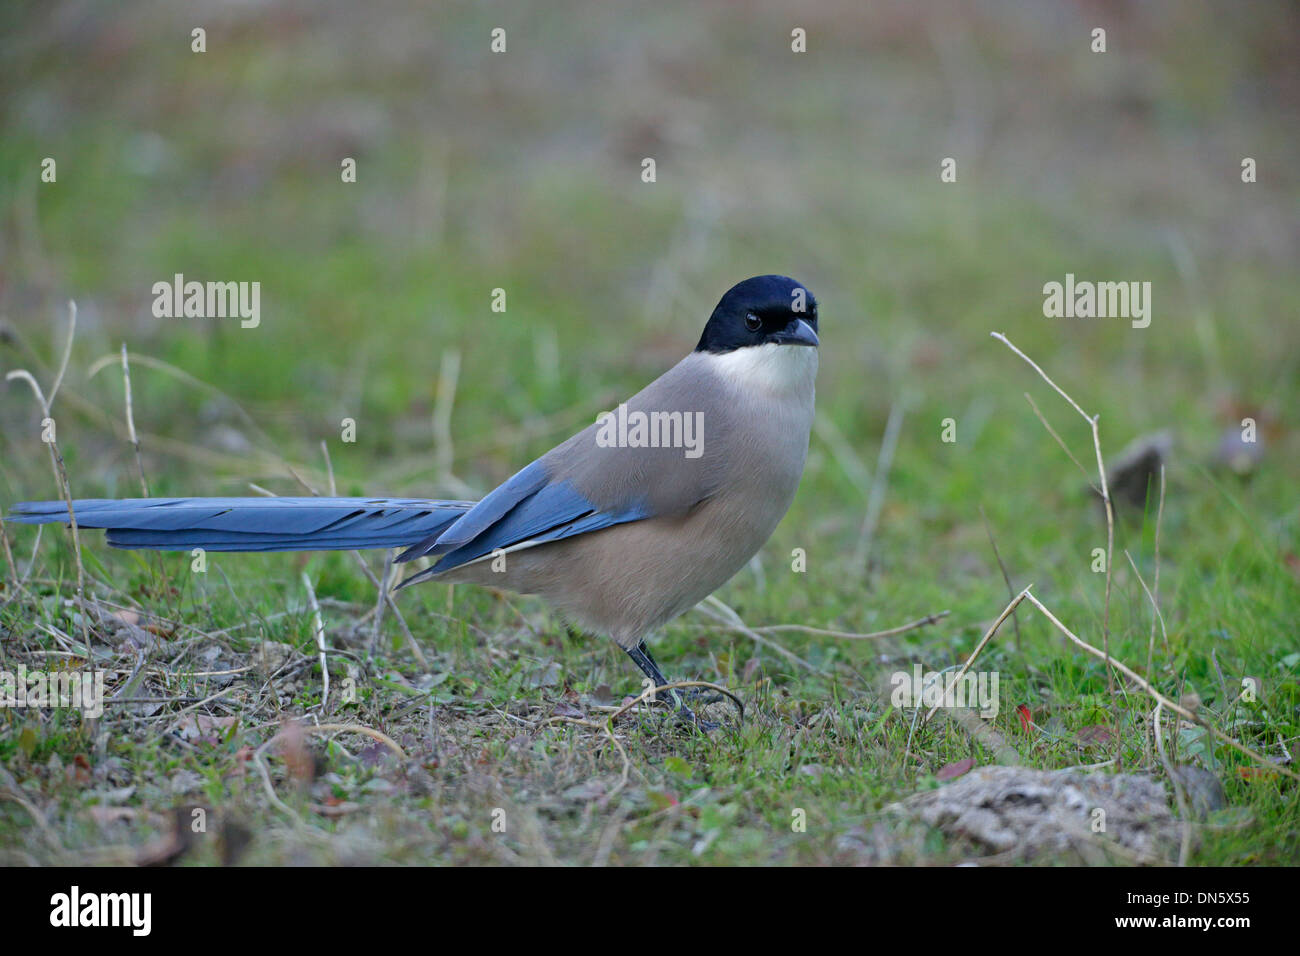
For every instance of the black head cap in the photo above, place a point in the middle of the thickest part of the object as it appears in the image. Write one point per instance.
(764, 310)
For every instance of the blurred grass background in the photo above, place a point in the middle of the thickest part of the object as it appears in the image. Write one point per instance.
(522, 171)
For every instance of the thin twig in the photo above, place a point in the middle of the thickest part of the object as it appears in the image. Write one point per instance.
(1155, 606)
(1151, 638)
(444, 454)
(1061, 442)
(879, 485)
(318, 628)
(130, 422)
(67, 351)
(1146, 686)
(270, 789)
(850, 635)
(1105, 496)
(1011, 591)
(988, 636)
(60, 471)
(370, 732)
(384, 580)
(9, 556)
(725, 615)
(1178, 788)
(361, 563)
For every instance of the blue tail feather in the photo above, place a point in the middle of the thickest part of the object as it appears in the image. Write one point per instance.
(254, 524)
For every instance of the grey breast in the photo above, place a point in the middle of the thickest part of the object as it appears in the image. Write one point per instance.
(711, 513)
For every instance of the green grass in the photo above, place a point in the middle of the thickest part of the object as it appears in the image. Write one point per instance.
(522, 172)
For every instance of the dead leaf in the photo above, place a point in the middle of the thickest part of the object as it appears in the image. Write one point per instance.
(951, 771)
(1095, 735)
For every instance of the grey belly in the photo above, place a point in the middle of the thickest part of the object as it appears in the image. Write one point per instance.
(627, 580)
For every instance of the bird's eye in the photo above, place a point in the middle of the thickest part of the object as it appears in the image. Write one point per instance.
(753, 322)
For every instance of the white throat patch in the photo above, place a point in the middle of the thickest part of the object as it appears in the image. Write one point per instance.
(771, 368)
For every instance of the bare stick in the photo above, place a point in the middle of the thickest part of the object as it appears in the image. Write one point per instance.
(608, 731)
(130, 422)
(879, 485)
(1146, 686)
(1151, 638)
(270, 789)
(1155, 606)
(444, 454)
(365, 568)
(1060, 441)
(729, 618)
(1011, 591)
(392, 606)
(1177, 785)
(9, 555)
(988, 636)
(60, 471)
(318, 628)
(149, 361)
(370, 732)
(850, 635)
(67, 350)
(1105, 495)
(848, 459)
(384, 580)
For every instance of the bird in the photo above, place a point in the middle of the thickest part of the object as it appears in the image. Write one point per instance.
(621, 528)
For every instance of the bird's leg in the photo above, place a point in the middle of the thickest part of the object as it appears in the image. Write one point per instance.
(698, 695)
(641, 657)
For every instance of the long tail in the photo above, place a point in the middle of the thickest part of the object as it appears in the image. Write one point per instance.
(253, 524)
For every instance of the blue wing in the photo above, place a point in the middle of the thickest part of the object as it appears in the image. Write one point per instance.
(529, 507)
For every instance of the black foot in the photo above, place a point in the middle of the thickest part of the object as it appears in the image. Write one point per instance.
(688, 717)
(677, 697)
(702, 696)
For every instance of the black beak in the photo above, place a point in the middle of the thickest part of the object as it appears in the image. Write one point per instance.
(797, 332)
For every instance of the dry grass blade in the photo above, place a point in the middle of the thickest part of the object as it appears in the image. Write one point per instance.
(997, 556)
(130, 422)
(370, 732)
(318, 629)
(1105, 492)
(713, 607)
(852, 636)
(1155, 606)
(988, 636)
(60, 470)
(9, 558)
(1177, 784)
(1146, 686)
(1155, 598)
(880, 484)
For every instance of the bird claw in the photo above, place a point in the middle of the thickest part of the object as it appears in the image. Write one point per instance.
(676, 698)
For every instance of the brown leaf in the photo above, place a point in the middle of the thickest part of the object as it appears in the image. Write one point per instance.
(951, 771)
(297, 756)
(1095, 735)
